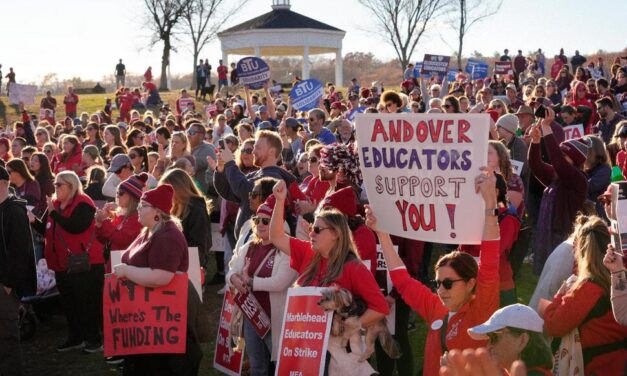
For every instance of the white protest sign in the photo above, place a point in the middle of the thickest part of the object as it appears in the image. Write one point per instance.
(572, 132)
(217, 240)
(517, 166)
(419, 172)
(22, 93)
(385, 283)
(619, 226)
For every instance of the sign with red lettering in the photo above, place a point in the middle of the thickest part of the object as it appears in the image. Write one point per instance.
(503, 67)
(253, 312)
(304, 334)
(226, 359)
(144, 320)
(573, 132)
(419, 172)
(384, 281)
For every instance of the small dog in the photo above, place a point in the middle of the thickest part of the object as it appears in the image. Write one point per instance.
(346, 322)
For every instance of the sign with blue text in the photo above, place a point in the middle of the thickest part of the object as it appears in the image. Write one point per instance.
(253, 72)
(306, 94)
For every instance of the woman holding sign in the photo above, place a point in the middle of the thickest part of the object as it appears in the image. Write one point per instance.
(151, 261)
(466, 294)
(258, 267)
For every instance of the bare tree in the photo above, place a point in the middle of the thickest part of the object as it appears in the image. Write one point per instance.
(164, 16)
(403, 22)
(203, 19)
(468, 13)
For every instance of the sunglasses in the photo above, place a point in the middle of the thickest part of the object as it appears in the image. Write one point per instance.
(247, 151)
(313, 159)
(257, 220)
(317, 229)
(192, 132)
(497, 106)
(447, 283)
(47, 151)
(495, 336)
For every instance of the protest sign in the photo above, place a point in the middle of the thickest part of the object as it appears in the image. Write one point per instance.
(253, 72)
(417, 69)
(225, 359)
(382, 275)
(517, 166)
(619, 225)
(253, 312)
(306, 94)
(144, 320)
(419, 172)
(359, 110)
(452, 74)
(572, 132)
(193, 270)
(304, 334)
(435, 65)
(217, 240)
(22, 93)
(477, 69)
(186, 104)
(503, 67)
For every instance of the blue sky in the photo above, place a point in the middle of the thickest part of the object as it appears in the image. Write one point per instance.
(86, 37)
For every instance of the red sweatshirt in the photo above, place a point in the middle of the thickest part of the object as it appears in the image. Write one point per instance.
(429, 306)
(568, 312)
(120, 232)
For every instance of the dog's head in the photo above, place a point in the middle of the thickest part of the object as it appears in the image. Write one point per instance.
(335, 299)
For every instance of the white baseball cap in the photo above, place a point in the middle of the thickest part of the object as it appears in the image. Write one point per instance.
(517, 316)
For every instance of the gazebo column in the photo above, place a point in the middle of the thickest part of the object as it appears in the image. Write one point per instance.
(225, 58)
(306, 63)
(257, 51)
(339, 69)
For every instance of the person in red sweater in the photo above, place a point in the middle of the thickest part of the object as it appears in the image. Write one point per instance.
(330, 258)
(127, 99)
(148, 74)
(466, 294)
(580, 98)
(71, 158)
(118, 228)
(71, 102)
(583, 303)
(184, 103)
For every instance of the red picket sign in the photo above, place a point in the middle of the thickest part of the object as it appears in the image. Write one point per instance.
(503, 67)
(305, 334)
(144, 320)
(253, 311)
(224, 359)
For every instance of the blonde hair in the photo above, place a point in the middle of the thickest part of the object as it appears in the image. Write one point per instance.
(183, 138)
(72, 180)
(591, 240)
(342, 252)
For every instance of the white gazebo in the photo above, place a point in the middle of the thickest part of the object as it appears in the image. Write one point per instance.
(282, 32)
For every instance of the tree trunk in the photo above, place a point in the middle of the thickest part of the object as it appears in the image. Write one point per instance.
(194, 81)
(165, 61)
(459, 52)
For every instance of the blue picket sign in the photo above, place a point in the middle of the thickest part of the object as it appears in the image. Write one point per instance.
(306, 94)
(253, 72)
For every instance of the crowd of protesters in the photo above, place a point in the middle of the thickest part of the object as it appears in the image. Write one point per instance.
(285, 189)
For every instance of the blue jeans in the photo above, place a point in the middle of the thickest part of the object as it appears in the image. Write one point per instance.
(259, 350)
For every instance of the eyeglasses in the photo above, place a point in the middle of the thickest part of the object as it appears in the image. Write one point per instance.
(447, 283)
(257, 220)
(317, 229)
(313, 159)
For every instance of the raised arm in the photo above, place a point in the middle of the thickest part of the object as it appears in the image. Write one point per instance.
(278, 237)
(249, 105)
(269, 102)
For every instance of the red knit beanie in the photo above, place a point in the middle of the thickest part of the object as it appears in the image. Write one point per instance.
(343, 200)
(576, 150)
(267, 207)
(135, 184)
(160, 197)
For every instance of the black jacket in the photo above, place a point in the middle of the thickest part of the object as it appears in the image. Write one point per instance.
(17, 254)
(196, 228)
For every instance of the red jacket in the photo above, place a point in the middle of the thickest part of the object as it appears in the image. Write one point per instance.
(119, 232)
(71, 164)
(70, 101)
(60, 243)
(366, 244)
(569, 311)
(429, 306)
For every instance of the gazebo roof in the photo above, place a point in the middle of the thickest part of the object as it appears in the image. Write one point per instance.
(280, 18)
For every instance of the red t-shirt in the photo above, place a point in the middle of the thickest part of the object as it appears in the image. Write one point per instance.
(165, 250)
(222, 71)
(70, 101)
(355, 277)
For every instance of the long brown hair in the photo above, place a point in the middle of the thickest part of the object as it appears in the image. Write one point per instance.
(184, 191)
(343, 251)
(505, 164)
(72, 140)
(19, 166)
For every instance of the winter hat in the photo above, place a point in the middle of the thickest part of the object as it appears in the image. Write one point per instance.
(493, 115)
(336, 105)
(160, 197)
(134, 185)
(267, 207)
(577, 150)
(509, 122)
(343, 200)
